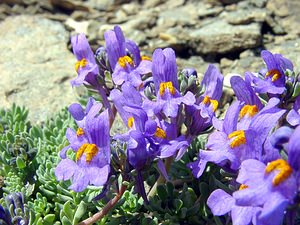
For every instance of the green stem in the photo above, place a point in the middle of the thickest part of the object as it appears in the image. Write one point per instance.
(161, 178)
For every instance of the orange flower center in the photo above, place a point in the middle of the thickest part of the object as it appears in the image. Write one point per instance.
(249, 110)
(124, 60)
(207, 101)
(80, 64)
(90, 151)
(284, 168)
(243, 186)
(146, 58)
(274, 73)
(130, 122)
(79, 132)
(166, 85)
(238, 138)
(160, 133)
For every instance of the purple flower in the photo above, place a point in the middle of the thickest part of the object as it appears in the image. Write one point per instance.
(274, 80)
(234, 142)
(91, 142)
(144, 134)
(177, 146)
(271, 187)
(221, 203)
(165, 80)
(244, 92)
(86, 66)
(201, 113)
(293, 117)
(128, 96)
(5, 216)
(143, 137)
(187, 72)
(204, 109)
(125, 67)
(115, 45)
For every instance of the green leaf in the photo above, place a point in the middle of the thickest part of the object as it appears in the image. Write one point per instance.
(20, 163)
(10, 137)
(162, 192)
(183, 213)
(81, 210)
(67, 210)
(296, 90)
(49, 219)
(178, 204)
(170, 188)
(65, 221)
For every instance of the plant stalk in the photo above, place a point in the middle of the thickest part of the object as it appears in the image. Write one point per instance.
(161, 178)
(99, 215)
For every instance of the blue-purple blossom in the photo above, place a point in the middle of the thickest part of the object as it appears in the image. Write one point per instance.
(127, 96)
(86, 66)
(221, 203)
(244, 92)
(293, 117)
(233, 142)
(273, 186)
(91, 144)
(200, 113)
(125, 67)
(204, 109)
(164, 71)
(275, 142)
(274, 80)
(143, 137)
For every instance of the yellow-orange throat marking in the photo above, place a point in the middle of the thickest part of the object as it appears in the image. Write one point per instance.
(146, 58)
(79, 132)
(125, 60)
(160, 133)
(250, 110)
(284, 168)
(90, 151)
(239, 138)
(166, 85)
(80, 64)
(274, 73)
(130, 122)
(243, 186)
(207, 101)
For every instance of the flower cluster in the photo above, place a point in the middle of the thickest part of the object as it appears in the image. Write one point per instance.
(164, 110)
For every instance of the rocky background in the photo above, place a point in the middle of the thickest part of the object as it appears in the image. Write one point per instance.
(36, 63)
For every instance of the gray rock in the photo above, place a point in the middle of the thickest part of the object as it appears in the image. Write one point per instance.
(291, 23)
(185, 15)
(195, 62)
(259, 3)
(221, 37)
(278, 7)
(245, 16)
(240, 66)
(273, 22)
(35, 66)
(131, 9)
(100, 4)
(205, 10)
(174, 3)
(152, 3)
